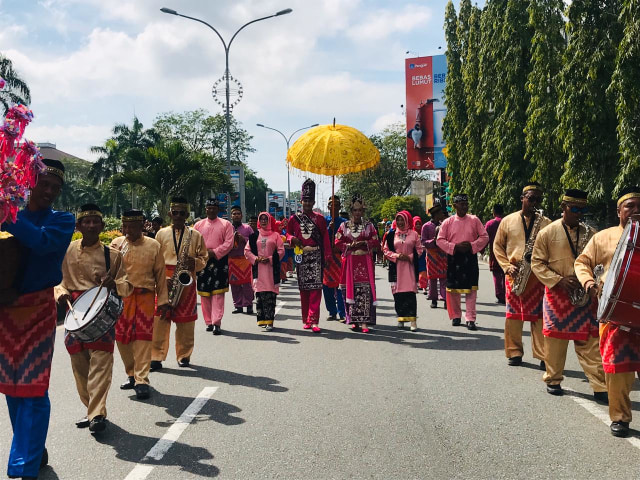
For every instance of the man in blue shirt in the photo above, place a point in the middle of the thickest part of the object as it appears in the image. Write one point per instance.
(28, 324)
(331, 275)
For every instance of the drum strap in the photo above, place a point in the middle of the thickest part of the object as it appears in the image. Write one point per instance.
(107, 258)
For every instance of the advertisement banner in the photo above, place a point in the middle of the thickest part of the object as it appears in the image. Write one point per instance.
(433, 175)
(275, 204)
(425, 80)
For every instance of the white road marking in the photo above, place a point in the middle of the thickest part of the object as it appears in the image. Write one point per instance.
(279, 307)
(600, 413)
(162, 446)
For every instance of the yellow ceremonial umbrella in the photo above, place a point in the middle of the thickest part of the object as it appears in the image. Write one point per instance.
(333, 150)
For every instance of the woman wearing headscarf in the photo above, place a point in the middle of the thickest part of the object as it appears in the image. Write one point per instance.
(265, 252)
(403, 249)
(422, 260)
(358, 240)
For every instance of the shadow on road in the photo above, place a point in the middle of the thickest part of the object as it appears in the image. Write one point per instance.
(132, 448)
(48, 473)
(270, 337)
(225, 376)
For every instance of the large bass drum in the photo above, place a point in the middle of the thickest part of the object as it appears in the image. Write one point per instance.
(100, 317)
(620, 300)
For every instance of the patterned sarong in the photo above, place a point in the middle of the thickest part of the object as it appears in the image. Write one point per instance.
(564, 320)
(332, 270)
(104, 343)
(462, 272)
(406, 306)
(136, 320)
(186, 310)
(213, 279)
(528, 306)
(27, 335)
(310, 271)
(620, 350)
(266, 307)
(436, 263)
(362, 310)
(239, 271)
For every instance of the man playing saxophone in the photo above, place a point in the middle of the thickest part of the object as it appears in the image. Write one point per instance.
(568, 312)
(183, 249)
(512, 248)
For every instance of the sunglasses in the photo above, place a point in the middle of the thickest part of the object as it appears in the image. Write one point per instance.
(579, 209)
(534, 199)
(178, 213)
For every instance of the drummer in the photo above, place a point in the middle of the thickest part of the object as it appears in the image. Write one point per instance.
(620, 349)
(88, 264)
(146, 271)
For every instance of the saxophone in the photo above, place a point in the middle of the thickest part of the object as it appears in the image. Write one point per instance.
(181, 277)
(579, 297)
(524, 264)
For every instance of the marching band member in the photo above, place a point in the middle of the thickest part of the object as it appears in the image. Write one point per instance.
(307, 230)
(619, 347)
(213, 279)
(462, 236)
(555, 250)
(182, 248)
(436, 258)
(29, 321)
(239, 267)
(514, 235)
(88, 264)
(145, 268)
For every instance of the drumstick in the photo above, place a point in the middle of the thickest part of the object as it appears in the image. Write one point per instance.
(73, 312)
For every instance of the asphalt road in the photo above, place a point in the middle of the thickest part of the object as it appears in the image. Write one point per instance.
(437, 403)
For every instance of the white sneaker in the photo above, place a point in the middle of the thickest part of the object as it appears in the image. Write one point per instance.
(268, 328)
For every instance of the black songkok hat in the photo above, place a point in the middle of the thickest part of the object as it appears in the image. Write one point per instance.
(308, 190)
(435, 209)
(212, 202)
(89, 210)
(179, 202)
(460, 197)
(133, 215)
(627, 193)
(236, 207)
(573, 195)
(54, 167)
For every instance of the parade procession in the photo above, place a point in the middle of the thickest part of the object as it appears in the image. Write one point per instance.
(403, 310)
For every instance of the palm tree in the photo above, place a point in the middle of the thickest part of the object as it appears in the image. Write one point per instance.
(15, 90)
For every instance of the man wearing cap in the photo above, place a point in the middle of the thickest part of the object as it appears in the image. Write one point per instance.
(239, 267)
(619, 346)
(183, 247)
(436, 257)
(307, 232)
(213, 280)
(331, 275)
(498, 275)
(554, 253)
(515, 232)
(28, 323)
(89, 264)
(462, 236)
(145, 268)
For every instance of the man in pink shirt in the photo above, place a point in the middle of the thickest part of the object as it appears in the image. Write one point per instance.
(462, 236)
(213, 280)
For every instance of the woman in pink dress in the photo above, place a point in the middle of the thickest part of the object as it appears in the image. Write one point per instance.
(264, 252)
(358, 240)
(403, 249)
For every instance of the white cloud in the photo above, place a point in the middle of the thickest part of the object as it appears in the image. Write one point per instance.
(387, 119)
(379, 24)
(76, 139)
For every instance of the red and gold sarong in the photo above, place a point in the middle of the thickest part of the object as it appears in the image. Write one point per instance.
(186, 310)
(620, 350)
(436, 263)
(528, 306)
(136, 320)
(566, 321)
(332, 270)
(27, 335)
(239, 271)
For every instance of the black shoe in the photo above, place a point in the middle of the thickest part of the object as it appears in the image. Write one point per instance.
(209, 328)
(434, 304)
(342, 320)
(142, 391)
(129, 384)
(444, 304)
(155, 365)
(185, 362)
(98, 424)
(471, 326)
(249, 310)
(216, 330)
(331, 318)
(601, 397)
(45, 459)
(620, 429)
(83, 423)
(543, 366)
(455, 322)
(237, 310)
(502, 302)
(515, 361)
(555, 390)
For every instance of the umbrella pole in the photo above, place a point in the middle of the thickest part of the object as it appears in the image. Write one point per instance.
(333, 207)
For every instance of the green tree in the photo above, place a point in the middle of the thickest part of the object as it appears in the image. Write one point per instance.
(625, 88)
(543, 149)
(414, 205)
(587, 114)
(255, 192)
(15, 90)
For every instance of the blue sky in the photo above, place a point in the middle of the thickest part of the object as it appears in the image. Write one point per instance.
(93, 63)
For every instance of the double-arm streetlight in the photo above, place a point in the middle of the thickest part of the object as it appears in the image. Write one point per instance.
(226, 105)
(288, 140)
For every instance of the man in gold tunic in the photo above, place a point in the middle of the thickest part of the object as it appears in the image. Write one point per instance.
(513, 235)
(619, 347)
(554, 253)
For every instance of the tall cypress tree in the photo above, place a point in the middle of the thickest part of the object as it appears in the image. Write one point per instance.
(587, 114)
(543, 149)
(626, 90)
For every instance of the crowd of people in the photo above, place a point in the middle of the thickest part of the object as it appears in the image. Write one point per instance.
(539, 267)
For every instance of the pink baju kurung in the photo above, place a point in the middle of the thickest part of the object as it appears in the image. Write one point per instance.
(218, 237)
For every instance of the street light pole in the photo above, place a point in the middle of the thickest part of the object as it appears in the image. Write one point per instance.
(227, 76)
(287, 209)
